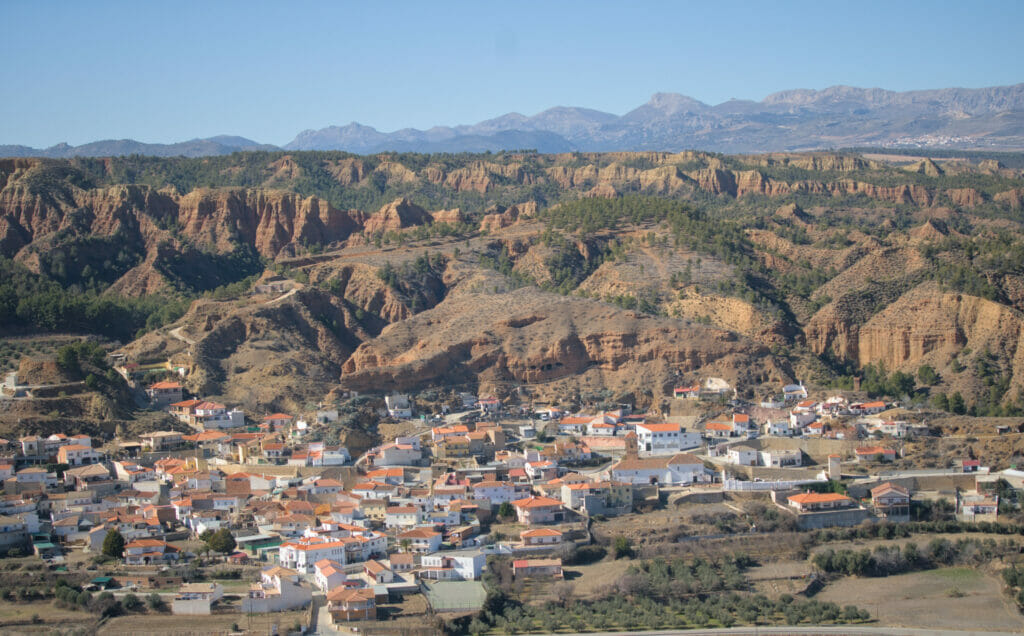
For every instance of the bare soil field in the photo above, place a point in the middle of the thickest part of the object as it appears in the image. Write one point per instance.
(948, 598)
(588, 580)
(16, 618)
(171, 625)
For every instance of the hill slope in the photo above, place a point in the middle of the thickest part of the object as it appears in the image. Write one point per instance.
(614, 275)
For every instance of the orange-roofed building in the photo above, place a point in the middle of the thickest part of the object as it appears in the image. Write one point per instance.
(540, 537)
(813, 501)
(534, 510)
(77, 455)
(163, 393)
(875, 454)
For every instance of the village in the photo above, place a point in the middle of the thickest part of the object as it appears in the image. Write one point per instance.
(411, 525)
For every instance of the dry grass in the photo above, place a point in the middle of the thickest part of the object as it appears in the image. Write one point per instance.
(16, 618)
(948, 598)
(169, 624)
(588, 580)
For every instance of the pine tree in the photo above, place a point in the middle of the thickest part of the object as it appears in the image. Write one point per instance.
(113, 544)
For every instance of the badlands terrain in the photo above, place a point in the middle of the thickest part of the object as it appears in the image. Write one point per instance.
(572, 277)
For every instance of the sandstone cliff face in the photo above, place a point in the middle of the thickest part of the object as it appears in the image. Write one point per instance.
(819, 162)
(664, 180)
(1012, 198)
(927, 321)
(480, 176)
(497, 220)
(452, 216)
(269, 220)
(265, 355)
(397, 215)
(528, 336)
(359, 284)
(347, 171)
(965, 197)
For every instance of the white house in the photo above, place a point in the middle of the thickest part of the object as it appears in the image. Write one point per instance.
(421, 540)
(496, 492)
(278, 590)
(402, 517)
(301, 554)
(398, 406)
(742, 455)
(682, 468)
(328, 574)
(799, 420)
(794, 392)
(664, 439)
(466, 565)
(397, 454)
(781, 458)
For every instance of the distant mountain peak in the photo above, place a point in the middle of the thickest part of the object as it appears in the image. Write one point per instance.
(797, 119)
(672, 103)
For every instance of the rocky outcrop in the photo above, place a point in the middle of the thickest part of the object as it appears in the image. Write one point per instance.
(262, 355)
(346, 171)
(573, 177)
(268, 220)
(927, 320)
(1013, 199)
(715, 181)
(452, 216)
(535, 337)
(499, 219)
(397, 215)
(480, 176)
(360, 285)
(395, 173)
(817, 162)
(926, 167)
(965, 197)
(602, 191)
(664, 180)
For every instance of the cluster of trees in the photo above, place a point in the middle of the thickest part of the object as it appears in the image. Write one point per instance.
(31, 302)
(219, 540)
(992, 402)
(875, 382)
(501, 261)
(104, 604)
(938, 526)
(1014, 578)
(91, 262)
(420, 282)
(622, 610)
(662, 579)
(889, 560)
(193, 270)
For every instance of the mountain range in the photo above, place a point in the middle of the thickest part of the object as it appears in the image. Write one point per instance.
(839, 116)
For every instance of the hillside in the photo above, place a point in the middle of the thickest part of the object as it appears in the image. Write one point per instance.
(589, 275)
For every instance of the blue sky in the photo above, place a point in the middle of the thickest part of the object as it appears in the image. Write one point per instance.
(170, 71)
